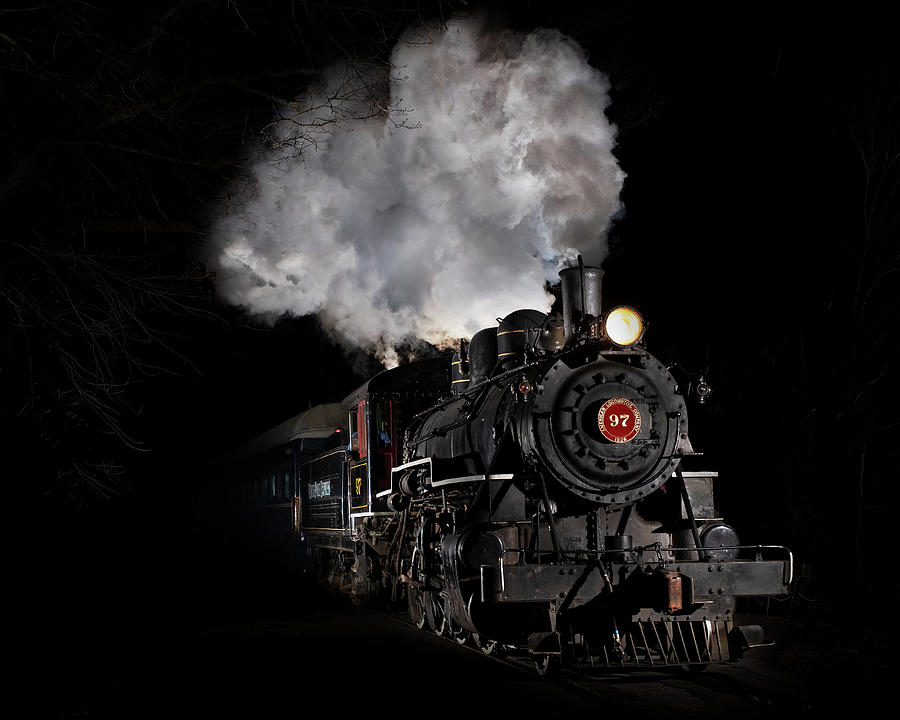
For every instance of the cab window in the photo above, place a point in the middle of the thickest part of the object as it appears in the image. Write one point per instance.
(383, 425)
(361, 424)
(354, 431)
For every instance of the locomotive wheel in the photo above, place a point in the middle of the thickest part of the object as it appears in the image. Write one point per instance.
(416, 606)
(415, 597)
(548, 666)
(488, 647)
(461, 635)
(453, 629)
(434, 613)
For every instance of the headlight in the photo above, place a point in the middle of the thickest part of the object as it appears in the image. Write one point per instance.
(624, 326)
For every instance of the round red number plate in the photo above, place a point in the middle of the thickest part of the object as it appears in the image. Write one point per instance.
(619, 420)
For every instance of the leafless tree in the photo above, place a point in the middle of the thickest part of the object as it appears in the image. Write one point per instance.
(867, 307)
(841, 412)
(120, 121)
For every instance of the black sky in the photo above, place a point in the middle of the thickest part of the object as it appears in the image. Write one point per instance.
(744, 188)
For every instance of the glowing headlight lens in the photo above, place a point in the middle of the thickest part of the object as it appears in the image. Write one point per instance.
(624, 326)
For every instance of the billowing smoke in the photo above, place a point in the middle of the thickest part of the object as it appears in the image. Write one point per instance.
(491, 169)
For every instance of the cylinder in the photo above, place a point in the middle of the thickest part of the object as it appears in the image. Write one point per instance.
(581, 298)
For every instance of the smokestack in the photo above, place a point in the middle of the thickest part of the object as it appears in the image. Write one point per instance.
(581, 298)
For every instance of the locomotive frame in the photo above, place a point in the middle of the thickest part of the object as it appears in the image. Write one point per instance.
(531, 492)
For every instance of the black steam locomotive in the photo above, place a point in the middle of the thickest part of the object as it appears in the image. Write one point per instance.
(530, 493)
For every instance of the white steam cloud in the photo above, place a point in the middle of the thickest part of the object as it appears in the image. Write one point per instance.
(503, 173)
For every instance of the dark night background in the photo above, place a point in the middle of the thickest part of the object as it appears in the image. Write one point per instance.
(760, 241)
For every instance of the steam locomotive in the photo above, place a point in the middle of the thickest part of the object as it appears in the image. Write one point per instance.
(530, 493)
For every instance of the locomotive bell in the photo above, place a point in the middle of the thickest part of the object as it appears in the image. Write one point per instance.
(553, 336)
(581, 301)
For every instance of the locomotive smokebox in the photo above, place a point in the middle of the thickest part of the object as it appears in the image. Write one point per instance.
(581, 300)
